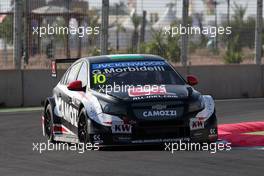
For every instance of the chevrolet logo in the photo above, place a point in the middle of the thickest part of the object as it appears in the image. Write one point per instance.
(159, 107)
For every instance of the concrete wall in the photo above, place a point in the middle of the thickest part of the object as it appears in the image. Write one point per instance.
(25, 88)
(31, 87)
(230, 81)
(10, 88)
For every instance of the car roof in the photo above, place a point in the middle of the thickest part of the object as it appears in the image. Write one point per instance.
(123, 57)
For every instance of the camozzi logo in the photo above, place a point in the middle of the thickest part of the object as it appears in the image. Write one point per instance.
(163, 113)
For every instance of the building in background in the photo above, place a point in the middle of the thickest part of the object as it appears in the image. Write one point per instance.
(33, 4)
(167, 18)
(80, 6)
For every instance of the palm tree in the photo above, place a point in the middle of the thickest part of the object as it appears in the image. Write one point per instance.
(239, 13)
(136, 20)
(237, 40)
(6, 34)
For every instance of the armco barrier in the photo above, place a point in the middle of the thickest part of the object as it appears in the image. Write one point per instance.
(31, 87)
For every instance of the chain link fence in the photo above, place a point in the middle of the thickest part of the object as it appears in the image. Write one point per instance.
(219, 32)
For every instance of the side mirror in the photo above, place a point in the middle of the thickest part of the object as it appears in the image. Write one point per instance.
(192, 80)
(75, 86)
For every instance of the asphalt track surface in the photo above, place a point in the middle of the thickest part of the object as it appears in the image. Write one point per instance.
(18, 130)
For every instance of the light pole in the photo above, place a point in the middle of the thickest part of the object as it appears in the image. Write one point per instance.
(26, 42)
(258, 32)
(68, 54)
(104, 27)
(117, 27)
(17, 34)
(184, 37)
(228, 12)
(216, 23)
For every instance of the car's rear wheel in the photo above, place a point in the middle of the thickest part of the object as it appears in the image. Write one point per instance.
(83, 127)
(48, 123)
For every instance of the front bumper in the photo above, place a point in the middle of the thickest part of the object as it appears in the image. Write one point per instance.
(155, 133)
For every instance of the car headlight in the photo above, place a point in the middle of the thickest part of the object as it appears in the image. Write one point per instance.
(197, 104)
(112, 108)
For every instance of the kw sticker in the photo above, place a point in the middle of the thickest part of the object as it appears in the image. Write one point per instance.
(196, 123)
(120, 127)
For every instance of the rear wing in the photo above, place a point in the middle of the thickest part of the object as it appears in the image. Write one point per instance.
(59, 61)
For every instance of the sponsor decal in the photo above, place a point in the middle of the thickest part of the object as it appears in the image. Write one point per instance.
(120, 127)
(159, 113)
(61, 129)
(213, 131)
(124, 138)
(127, 64)
(119, 67)
(155, 97)
(147, 90)
(68, 112)
(196, 123)
(160, 140)
(97, 139)
(159, 107)
(127, 69)
(212, 136)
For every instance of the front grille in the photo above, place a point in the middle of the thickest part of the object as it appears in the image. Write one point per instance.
(148, 105)
(159, 127)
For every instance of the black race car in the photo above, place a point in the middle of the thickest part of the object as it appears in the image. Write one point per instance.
(127, 99)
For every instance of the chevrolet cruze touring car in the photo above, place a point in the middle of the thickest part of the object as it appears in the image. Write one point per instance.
(127, 99)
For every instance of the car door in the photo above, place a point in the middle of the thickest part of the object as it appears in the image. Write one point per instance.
(68, 110)
(58, 91)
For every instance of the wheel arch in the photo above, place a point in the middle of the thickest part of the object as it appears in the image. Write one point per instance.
(51, 101)
(81, 106)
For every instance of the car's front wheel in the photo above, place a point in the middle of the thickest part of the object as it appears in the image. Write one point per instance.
(48, 123)
(83, 127)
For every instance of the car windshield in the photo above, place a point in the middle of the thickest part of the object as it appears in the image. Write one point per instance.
(134, 73)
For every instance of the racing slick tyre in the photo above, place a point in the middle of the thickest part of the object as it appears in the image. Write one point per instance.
(83, 127)
(48, 123)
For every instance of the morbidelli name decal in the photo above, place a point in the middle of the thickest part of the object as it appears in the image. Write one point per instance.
(108, 68)
(128, 69)
(164, 113)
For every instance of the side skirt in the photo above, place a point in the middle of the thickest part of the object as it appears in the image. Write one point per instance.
(63, 134)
